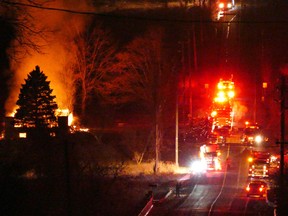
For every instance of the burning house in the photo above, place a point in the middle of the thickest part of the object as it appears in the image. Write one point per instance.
(14, 132)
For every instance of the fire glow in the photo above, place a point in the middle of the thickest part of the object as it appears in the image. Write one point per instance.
(56, 55)
(59, 112)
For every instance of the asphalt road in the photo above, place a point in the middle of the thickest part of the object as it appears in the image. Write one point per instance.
(221, 193)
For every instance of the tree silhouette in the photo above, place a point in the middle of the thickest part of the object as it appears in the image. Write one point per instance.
(20, 27)
(148, 75)
(36, 104)
(94, 57)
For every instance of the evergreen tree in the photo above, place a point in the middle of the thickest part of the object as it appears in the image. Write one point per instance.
(36, 106)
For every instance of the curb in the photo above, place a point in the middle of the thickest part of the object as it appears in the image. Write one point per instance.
(149, 205)
(163, 198)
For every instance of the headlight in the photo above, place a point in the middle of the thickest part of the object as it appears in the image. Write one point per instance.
(221, 5)
(258, 139)
(199, 166)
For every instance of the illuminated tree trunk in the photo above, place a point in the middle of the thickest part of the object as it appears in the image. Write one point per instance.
(84, 98)
(158, 137)
(94, 58)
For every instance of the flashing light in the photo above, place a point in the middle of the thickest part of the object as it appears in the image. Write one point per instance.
(229, 5)
(221, 97)
(220, 84)
(231, 94)
(226, 92)
(214, 113)
(250, 159)
(273, 158)
(261, 188)
(225, 84)
(247, 188)
(221, 5)
(221, 94)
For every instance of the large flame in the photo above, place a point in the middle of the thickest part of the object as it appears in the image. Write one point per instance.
(65, 112)
(57, 53)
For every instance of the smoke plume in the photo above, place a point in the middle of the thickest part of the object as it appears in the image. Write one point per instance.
(56, 55)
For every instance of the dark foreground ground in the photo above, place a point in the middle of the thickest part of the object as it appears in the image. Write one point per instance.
(109, 196)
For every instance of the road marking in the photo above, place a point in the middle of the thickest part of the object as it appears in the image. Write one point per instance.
(228, 27)
(223, 183)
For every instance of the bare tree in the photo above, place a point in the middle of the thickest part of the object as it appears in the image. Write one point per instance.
(148, 74)
(94, 57)
(24, 35)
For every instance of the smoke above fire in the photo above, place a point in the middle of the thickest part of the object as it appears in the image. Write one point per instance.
(56, 54)
(240, 111)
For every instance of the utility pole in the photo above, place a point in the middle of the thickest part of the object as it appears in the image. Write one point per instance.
(177, 130)
(190, 77)
(281, 193)
(282, 123)
(177, 121)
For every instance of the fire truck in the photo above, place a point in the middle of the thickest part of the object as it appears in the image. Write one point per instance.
(210, 156)
(224, 5)
(253, 134)
(259, 164)
(222, 114)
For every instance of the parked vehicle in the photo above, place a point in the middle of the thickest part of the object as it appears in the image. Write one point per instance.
(257, 188)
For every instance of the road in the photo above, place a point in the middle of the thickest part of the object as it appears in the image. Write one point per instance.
(221, 193)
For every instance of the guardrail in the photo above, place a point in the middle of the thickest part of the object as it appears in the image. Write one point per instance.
(145, 211)
(149, 205)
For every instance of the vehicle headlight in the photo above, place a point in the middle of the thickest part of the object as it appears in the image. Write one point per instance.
(198, 166)
(258, 139)
(221, 5)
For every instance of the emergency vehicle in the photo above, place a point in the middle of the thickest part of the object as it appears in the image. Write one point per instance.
(224, 5)
(222, 113)
(259, 163)
(210, 156)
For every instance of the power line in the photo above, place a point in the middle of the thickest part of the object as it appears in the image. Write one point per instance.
(143, 18)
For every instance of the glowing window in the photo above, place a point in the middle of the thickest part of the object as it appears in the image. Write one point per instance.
(22, 135)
